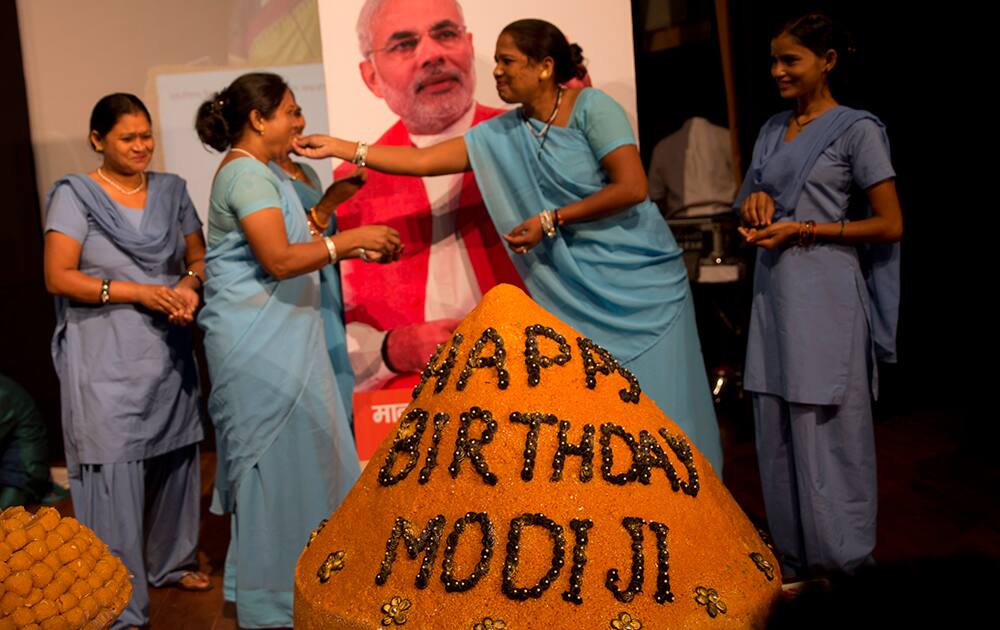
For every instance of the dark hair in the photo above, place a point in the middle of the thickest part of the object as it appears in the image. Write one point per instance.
(109, 110)
(220, 120)
(539, 39)
(819, 33)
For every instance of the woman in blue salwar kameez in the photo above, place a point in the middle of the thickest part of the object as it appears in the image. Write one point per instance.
(124, 255)
(825, 303)
(562, 178)
(286, 457)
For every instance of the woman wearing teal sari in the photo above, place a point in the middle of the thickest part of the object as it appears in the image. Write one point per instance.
(562, 178)
(285, 454)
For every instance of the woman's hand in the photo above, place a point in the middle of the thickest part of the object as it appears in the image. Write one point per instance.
(525, 236)
(757, 210)
(162, 299)
(343, 189)
(319, 146)
(380, 243)
(773, 236)
(191, 301)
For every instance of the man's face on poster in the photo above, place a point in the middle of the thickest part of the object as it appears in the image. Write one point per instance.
(421, 62)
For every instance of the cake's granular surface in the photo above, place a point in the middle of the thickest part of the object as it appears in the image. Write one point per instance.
(531, 484)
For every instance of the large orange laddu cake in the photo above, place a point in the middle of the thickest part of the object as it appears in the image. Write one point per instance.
(531, 485)
(55, 574)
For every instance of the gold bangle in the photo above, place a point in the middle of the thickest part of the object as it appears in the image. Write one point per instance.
(807, 233)
(319, 224)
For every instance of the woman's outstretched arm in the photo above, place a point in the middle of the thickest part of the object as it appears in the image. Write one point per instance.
(443, 158)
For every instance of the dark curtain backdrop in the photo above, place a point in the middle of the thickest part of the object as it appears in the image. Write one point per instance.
(26, 311)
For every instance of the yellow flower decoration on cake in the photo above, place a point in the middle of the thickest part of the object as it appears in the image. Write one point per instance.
(394, 611)
(766, 567)
(710, 599)
(625, 621)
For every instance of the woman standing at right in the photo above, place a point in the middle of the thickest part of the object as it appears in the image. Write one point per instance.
(825, 301)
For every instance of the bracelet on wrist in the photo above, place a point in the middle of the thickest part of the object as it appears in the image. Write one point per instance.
(360, 154)
(548, 224)
(193, 274)
(105, 291)
(807, 233)
(315, 218)
(331, 249)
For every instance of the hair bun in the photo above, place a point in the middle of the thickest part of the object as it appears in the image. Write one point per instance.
(210, 123)
(576, 54)
(222, 119)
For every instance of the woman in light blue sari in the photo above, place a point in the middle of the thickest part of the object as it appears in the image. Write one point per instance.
(562, 178)
(285, 453)
(825, 300)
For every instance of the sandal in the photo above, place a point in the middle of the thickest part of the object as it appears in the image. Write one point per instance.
(194, 581)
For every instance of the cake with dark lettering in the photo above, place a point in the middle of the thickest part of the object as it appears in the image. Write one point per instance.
(55, 574)
(531, 484)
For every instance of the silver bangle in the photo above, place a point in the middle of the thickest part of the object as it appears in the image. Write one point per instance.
(361, 154)
(548, 224)
(105, 291)
(331, 249)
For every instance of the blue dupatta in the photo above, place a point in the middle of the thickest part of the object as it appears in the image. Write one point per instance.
(781, 169)
(155, 241)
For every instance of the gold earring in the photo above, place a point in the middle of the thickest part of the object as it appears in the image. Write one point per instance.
(260, 130)
(545, 74)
